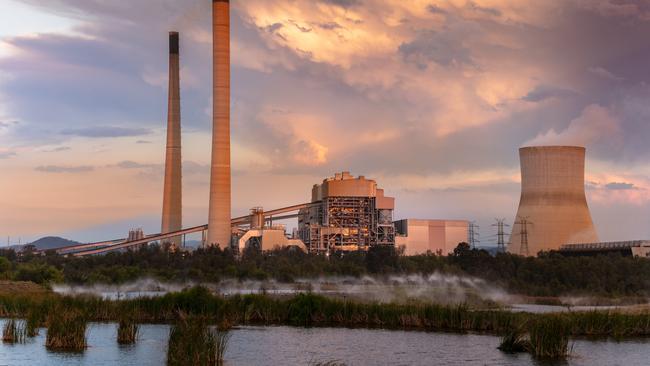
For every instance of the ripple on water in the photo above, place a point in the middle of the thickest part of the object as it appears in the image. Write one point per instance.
(300, 346)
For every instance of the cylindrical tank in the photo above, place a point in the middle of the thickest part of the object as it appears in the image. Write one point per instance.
(553, 207)
(257, 218)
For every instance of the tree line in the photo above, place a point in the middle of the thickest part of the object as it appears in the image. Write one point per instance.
(549, 274)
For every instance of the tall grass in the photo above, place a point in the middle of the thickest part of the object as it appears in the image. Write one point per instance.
(127, 331)
(13, 332)
(549, 338)
(33, 323)
(66, 330)
(192, 342)
(514, 341)
(315, 310)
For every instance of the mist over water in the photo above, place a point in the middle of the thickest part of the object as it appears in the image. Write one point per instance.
(437, 288)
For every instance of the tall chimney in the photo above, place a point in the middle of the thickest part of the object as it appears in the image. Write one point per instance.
(172, 196)
(219, 231)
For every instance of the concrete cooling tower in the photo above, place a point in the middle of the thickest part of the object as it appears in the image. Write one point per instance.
(553, 207)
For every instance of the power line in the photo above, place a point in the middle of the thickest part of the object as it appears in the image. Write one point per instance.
(501, 242)
(474, 235)
(523, 222)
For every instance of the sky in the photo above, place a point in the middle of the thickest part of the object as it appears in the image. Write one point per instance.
(431, 98)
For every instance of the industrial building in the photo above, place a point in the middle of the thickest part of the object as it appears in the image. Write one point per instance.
(638, 248)
(553, 207)
(347, 214)
(440, 237)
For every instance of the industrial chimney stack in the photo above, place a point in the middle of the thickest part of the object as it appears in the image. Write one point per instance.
(553, 209)
(172, 196)
(219, 230)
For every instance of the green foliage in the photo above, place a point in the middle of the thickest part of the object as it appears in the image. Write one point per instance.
(546, 276)
(5, 266)
(38, 273)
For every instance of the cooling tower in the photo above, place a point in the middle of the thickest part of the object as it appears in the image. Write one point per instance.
(172, 193)
(219, 211)
(553, 207)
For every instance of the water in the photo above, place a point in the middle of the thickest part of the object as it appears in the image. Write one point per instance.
(302, 346)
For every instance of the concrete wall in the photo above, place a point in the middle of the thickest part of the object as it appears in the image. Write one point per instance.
(435, 236)
(553, 200)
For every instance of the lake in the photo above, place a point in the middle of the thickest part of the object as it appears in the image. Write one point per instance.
(305, 346)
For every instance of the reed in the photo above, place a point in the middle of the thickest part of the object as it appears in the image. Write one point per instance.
(316, 311)
(13, 332)
(66, 330)
(127, 331)
(514, 341)
(192, 342)
(33, 323)
(549, 338)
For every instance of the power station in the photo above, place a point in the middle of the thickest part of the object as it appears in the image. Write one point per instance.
(347, 213)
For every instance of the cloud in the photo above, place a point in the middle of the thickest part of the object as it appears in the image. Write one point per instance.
(596, 123)
(620, 186)
(544, 92)
(128, 164)
(64, 169)
(599, 71)
(7, 154)
(106, 131)
(143, 142)
(58, 149)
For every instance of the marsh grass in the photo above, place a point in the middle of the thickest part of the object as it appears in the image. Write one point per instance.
(66, 330)
(127, 331)
(514, 341)
(13, 332)
(192, 342)
(319, 311)
(33, 323)
(549, 338)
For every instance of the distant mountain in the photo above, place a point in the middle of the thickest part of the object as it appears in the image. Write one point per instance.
(52, 242)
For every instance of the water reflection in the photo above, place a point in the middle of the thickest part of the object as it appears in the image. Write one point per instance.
(304, 346)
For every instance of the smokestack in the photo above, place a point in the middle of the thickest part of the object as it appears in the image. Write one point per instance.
(172, 196)
(219, 231)
(553, 207)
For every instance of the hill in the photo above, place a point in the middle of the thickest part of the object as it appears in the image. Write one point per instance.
(52, 242)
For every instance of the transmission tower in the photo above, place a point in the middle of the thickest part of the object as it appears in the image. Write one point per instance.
(501, 243)
(523, 222)
(474, 235)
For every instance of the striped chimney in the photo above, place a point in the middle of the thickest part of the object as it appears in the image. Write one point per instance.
(172, 193)
(219, 229)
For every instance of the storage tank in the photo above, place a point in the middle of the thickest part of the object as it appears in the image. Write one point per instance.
(553, 207)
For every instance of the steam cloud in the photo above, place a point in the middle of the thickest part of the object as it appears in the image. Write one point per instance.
(594, 124)
(436, 288)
